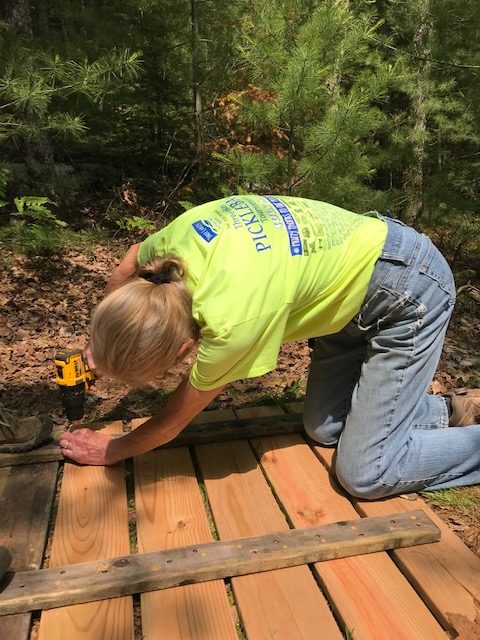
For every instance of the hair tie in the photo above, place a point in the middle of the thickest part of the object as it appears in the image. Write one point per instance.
(157, 278)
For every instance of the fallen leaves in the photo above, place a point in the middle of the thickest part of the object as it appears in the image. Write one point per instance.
(45, 305)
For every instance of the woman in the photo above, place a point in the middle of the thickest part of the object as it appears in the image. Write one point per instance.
(238, 277)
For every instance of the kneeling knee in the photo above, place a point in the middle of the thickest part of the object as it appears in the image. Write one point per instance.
(321, 429)
(359, 484)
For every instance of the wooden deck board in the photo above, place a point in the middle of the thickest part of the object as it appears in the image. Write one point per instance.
(285, 604)
(170, 514)
(353, 584)
(447, 573)
(370, 595)
(92, 524)
(27, 495)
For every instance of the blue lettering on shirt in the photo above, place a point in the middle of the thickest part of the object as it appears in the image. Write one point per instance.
(290, 225)
(243, 214)
(204, 229)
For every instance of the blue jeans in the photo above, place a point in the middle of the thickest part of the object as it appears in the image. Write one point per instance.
(367, 386)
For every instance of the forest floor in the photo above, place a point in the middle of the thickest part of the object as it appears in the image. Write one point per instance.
(46, 304)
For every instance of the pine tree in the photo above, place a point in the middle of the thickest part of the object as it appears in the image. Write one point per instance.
(435, 108)
(314, 59)
(36, 85)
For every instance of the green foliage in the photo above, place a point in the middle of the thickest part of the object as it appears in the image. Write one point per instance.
(292, 392)
(437, 128)
(4, 175)
(135, 223)
(36, 209)
(462, 499)
(186, 204)
(40, 240)
(30, 239)
(253, 172)
(366, 104)
(34, 229)
(314, 61)
(33, 81)
(43, 94)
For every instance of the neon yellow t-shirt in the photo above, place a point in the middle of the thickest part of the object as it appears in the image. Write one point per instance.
(264, 270)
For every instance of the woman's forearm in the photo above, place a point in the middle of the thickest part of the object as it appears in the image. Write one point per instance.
(148, 436)
(183, 405)
(89, 447)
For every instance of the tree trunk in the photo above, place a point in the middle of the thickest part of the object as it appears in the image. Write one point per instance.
(40, 19)
(197, 96)
(414, 183)
(17, 14)
(38, 151)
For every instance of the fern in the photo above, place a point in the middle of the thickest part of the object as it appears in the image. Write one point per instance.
(35, 208)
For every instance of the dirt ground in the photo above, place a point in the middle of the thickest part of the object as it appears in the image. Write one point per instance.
(45, 305)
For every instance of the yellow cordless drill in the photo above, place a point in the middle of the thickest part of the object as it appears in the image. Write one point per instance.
(74, 377)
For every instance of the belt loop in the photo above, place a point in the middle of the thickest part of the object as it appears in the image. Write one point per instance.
(393, 240)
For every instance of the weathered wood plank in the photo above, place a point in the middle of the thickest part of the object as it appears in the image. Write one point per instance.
(240, 429)
(294, 407)
(449, 563)
(203, 430)
(214, 416)
(25, 503)
(47, 453)
(368, 592)
(284, 604)
(170, 514)
(267, 411)
(92, 524)
(113, 577)
(26, 499)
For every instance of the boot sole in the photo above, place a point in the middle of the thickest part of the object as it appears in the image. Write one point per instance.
(20, 447)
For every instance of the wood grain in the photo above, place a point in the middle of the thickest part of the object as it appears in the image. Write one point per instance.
(207, 430)
(449, 563)
(92, 524)
(294, 407)
(368, 592)
(27, 495)
(268, 411)
(209, 426)
(285, 604)
(214, 416)
(46, 453)
(185, 565)
(170, 514)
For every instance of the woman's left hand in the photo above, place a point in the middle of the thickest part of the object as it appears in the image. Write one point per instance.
(86, 447)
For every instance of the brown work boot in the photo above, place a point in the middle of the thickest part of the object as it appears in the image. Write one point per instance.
(465, 408)
(5, 560)
(22, 434)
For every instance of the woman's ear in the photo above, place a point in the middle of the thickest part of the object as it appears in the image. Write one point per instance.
(185, 348)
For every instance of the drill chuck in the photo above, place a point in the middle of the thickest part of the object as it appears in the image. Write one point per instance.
(73, 399)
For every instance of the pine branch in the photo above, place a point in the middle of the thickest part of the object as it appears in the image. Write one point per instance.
(426, 59)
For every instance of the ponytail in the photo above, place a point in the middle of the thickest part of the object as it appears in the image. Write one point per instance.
(162, 270)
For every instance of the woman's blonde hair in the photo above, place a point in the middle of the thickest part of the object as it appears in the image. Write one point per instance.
(137, 329)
